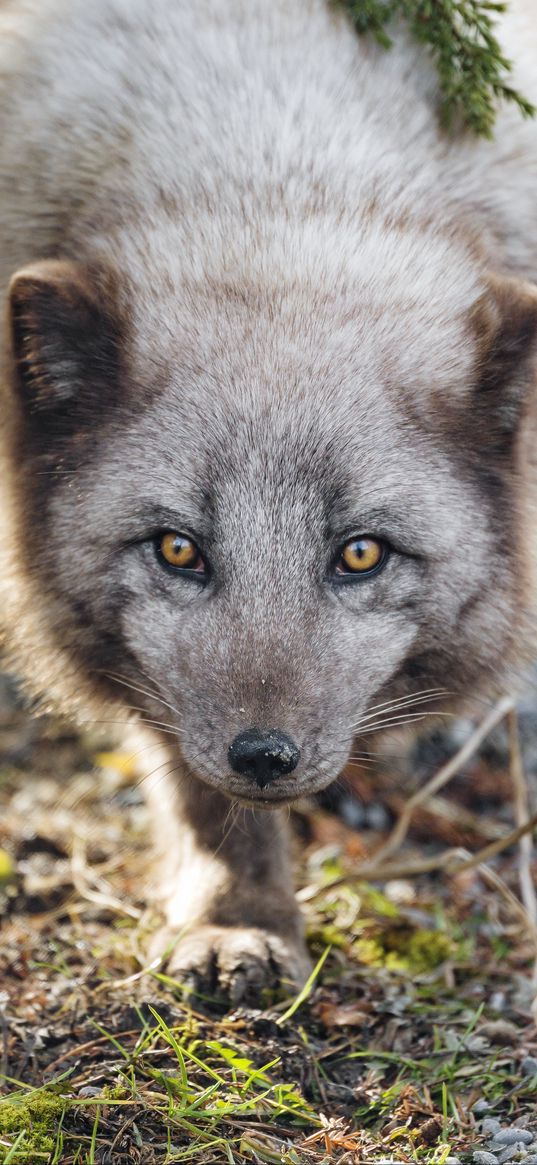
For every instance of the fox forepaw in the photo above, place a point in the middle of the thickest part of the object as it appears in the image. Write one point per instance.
(238, 962)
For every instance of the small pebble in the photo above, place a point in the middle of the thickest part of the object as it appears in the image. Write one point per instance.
(528, 1066)
(510, 1152)
(352, 812)
(531, 1159)
(512, 1135)
(490, 1126)
(403, 893)
(481, 1157)
(376, 817)
(476, 1043)
(480, 1107)
(501, 1032)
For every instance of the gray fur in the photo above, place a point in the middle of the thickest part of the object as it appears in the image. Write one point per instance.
(282, 308)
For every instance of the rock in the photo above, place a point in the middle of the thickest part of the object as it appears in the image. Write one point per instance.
(501, 1032)
(490, 1126)
(480, 1107)
(511, 1135)
(528, 1066)
(352, 812)
(403, 893)
(510, 1152)
(481, 1157)
(477, 1044)
(376, 817)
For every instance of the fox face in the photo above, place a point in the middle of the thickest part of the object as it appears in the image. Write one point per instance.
(269, 519)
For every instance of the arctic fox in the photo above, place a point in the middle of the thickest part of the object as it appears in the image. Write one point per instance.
(267, 412)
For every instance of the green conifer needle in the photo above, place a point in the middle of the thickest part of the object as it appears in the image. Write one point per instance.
(460, 34)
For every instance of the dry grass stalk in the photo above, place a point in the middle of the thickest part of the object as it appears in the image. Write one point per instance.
(455, 861)
(522, 814)
(83, 876)
(498, 713)
(452, 861)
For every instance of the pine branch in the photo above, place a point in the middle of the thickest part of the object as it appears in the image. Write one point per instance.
(460, 34)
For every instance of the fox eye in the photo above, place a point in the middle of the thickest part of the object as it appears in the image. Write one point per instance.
(362, 556)
(180, 552)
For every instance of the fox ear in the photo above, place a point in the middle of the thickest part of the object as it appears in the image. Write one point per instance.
(505, 323)
(64, 342)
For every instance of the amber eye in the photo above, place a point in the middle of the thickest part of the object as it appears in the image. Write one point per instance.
(361, 556)
(180, 552)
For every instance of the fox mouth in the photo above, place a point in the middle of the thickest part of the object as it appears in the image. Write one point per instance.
(262, 802)
(273, 795)
(263, 799)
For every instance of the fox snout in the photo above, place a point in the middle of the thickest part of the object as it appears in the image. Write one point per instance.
(263, 756)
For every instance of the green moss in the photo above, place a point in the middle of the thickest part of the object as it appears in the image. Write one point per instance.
(373, 899)
(327, 935)
(37, 1115)
(427, 949)
(369, 951)
(115, 1092)
(401, 949)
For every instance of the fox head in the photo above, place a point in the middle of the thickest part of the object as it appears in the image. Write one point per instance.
(270, 512)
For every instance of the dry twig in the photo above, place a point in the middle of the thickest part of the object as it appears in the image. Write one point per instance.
(444, 774)
(82, 876)
(520, 790)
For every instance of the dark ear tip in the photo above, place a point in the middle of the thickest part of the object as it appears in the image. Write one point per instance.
(504, 327)
(507, 312)
(44, 271)
(48, 277)
(504, 322)
(61, 330)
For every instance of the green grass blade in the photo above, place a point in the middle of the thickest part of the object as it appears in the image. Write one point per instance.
(306, 990)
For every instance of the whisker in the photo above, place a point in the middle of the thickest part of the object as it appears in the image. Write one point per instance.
(394, 760)
(400, 721)
(161, 724)
(363, 761)
(227, 830)
(396, 705)
(158, 687)
(127, 682)
(142, 720)
(242, 810)
(411, 696)
(184, 767)
(355, 763)
(143, 691)
(64, 800)
(366, 754)
(149, 690)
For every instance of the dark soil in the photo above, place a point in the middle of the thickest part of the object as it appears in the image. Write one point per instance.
(417, 1027)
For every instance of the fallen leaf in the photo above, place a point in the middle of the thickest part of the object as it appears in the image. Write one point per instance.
(500, 1031)
(340, 1015)
(120, 762)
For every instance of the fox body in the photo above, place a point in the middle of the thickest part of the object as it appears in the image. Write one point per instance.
(259, 309)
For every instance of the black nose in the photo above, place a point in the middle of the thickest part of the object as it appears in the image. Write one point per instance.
(263, 756)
